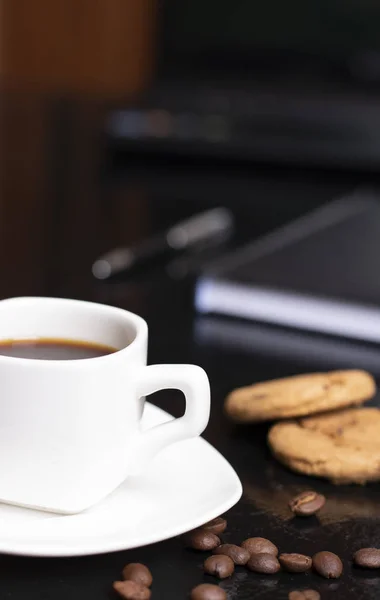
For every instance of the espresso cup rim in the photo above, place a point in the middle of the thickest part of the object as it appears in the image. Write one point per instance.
(139, 324)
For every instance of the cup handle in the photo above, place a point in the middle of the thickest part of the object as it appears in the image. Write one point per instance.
(194, 383)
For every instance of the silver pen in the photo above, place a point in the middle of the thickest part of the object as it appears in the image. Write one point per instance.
(202, 229)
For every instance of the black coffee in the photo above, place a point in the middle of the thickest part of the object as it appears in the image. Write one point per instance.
(53, 349)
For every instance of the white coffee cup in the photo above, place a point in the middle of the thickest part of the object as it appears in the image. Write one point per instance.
(70, 430)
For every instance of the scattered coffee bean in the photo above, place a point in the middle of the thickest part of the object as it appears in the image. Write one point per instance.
(206, 591)
(305, 595)
(369, 558)
(239, 555)
(200, 539)
(307, 503)
(258, 545)
(263, 563)
(295, 563)
(216, 526)
(221, 566)
(139, 573)
(328, 565)
(131, 590)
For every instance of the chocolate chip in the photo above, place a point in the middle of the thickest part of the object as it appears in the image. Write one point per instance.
(304, 595)
(200, 539)
(328, 564)
(130, 590)
(221, 566)
(216, 526)
(264, 563)
(239, 555)
(295, 563)
(369, 558)
(139, 573)
(258, 545)
(307, 503)
(206, 591)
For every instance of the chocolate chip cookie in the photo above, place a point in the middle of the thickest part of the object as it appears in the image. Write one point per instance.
(343, 446)
(299, 396)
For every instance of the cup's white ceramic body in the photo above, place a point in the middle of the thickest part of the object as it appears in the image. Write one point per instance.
(70, 429)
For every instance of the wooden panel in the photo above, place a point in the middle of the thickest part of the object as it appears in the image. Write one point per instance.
(103, 46)
(24, 202)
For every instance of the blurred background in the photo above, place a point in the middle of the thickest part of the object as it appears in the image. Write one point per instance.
(295, 82)
(120, 118)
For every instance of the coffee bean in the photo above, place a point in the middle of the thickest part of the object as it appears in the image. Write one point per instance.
(328, 565)
(216, 526)
(206, 591)
(305, 595)
(307, 503)
(258, 545)
(295, 563)
(239, 555)
(369, 558)
(221, 566)
(263, 563)
(139, 573)
(131, 590)
(199, 539)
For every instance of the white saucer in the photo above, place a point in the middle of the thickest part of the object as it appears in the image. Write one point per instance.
(186, 485)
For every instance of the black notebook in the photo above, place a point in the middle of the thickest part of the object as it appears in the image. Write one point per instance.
(318, 273)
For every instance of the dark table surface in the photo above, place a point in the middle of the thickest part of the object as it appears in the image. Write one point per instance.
(64, 201)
